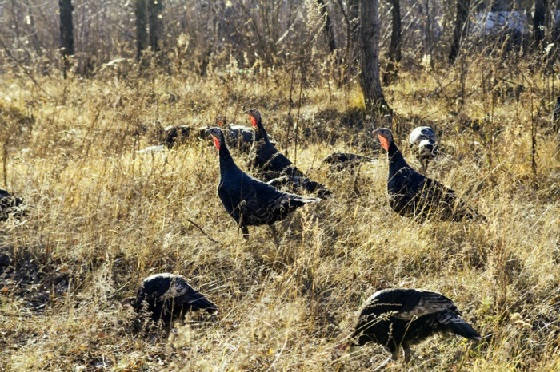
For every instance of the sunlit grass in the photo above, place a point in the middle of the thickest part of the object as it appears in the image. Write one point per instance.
(109, 216)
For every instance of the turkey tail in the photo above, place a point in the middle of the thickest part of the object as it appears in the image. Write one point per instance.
(458, 325)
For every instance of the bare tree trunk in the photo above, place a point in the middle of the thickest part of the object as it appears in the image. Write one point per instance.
(539, 20)
(352, 32)
(328, 29)
(463, 7)
(369, 74)
(155, 8)
(66, 31)
(141, 34)
(428, 34)
(33, 29)
(395, 54)
(15, 22)
(556, 26)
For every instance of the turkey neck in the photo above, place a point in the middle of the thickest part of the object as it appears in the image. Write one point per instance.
(226, 161)
(396, 160)
(261, 133)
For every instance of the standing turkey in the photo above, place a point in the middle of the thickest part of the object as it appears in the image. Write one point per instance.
(399, 318)
(168, 297)
(249, 201)
(412, 194)
(10, 205)
(423, 141)
(271, 163)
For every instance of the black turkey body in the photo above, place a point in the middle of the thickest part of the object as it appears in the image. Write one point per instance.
(270, 163)
(403, 317)
(248, 200)
(412, 194)
(168, 296)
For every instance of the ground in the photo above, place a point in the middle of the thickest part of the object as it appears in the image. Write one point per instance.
(102, 216)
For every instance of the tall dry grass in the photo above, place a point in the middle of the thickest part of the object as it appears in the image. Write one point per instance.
(103, 216)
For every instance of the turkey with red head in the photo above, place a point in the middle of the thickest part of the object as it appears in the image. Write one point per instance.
(249, 201)
(271, 163)
(412, 194)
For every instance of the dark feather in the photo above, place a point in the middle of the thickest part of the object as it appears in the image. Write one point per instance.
(248, 200)
(269, 163)
(412, 194)
(403, 317)
(167, 297)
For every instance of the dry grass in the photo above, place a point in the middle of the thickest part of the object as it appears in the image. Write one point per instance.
(103, 217)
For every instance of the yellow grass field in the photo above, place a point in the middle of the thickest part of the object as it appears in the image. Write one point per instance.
(103, 216)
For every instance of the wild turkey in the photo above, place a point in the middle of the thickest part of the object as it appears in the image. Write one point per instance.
(413, 195)
(340, 160)
(399, 318)
(249, 201)
(423, 141)
(269, 163)
(168, 297)
(10, 205)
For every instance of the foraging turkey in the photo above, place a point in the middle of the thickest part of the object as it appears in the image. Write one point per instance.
(341, 160)
(249, 201)
(399, 318)
(423, 141)
(411, 194)
(10, 205)
(271, 164)
(168, 297)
